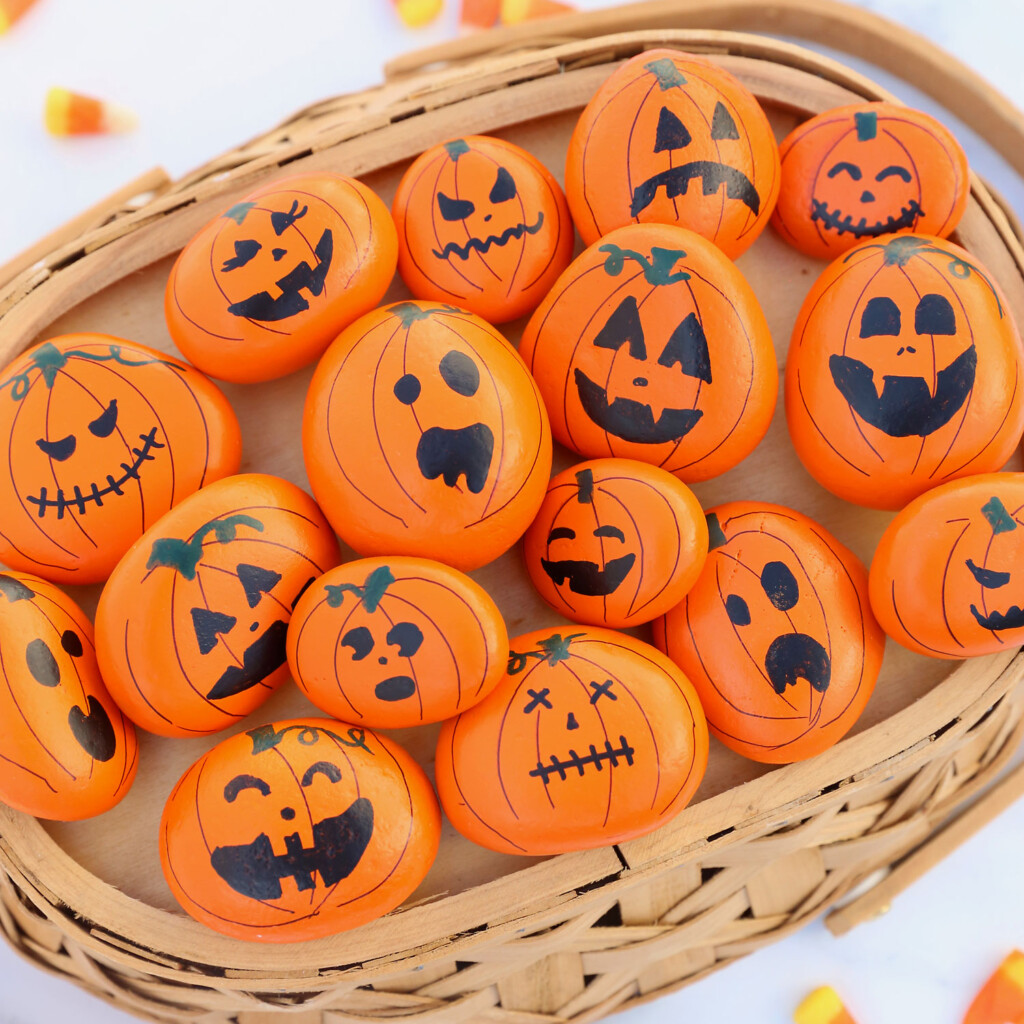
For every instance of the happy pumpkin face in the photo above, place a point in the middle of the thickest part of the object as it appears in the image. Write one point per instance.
(298, 830)
(674, 139)
(104, 436)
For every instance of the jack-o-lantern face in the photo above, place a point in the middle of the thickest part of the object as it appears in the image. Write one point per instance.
(903, 372)
(105, 436)
(672, 138)
(616, 543)
(652, 346)
(264, 289)
(396, 642)
(191, 626)
(590, 739)
(68, 752)
(867, 170)
(298, 830)
(483, 224)
(777, 634)
(947, 578)
(456, 448)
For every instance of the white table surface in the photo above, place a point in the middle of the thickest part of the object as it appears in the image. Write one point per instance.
(204, 75)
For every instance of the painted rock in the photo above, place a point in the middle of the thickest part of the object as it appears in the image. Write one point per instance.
(947, 578)
(392, 642)
(866, 170)
(483, 224)
(591, 738)
(903, 372)
(652, 346)
(67, 750)
(266, 287)
(425, 435)
(298, 830)
(103, 436)
(777, 634)
(191, 626)
(671, 138)
(616, 543)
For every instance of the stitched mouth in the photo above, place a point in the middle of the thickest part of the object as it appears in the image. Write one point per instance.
(587, 578)
(1012, 618)
(483, 245)
(712, 175)
(842, 225)
(580, 762)
(80, 501)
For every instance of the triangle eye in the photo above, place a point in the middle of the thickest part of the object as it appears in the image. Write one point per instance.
(454, 209)
(671, 134)
(504, 187)
(688, 347)
(722, 124)
(624, 328)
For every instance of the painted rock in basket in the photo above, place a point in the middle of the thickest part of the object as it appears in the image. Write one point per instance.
(672, 138)
(191, 626)
(424, 434)
(616, 543)
(266, 287)
(866, 170)
(947, 578)
(483, 224)
(103, 436)
(903, 372)
(652, 346)
(777, 634)
(591, 738)
(393, 642)
(298, 830)
(68, 752)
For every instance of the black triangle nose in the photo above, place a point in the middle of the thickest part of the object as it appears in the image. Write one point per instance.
(671, 134)
(867, 197)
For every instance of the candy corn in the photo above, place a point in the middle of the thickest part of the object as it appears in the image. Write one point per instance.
(515, 11)
(480, 13)
(11, 11)
(1001, 999)
(822, 1006)
(418, 12)
(68, 113)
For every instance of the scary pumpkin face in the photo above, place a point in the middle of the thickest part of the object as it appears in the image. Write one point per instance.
(903, 372)
(483, 224)
(191, 626)
(298, 830)
(104, 437)
(590, 739)
(672, 138)
(652, 346)
(777, 634)
(867, 170)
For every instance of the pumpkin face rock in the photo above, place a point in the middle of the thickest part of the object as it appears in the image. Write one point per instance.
(866, 170)
(103, 437)
(265, 288)
(652, 346)
(671, 138)
(591, 738)
(67, 750)
(616, 543)
(903, 372)
(298, 830)
(483, 224)
(392, 642)
(947, 578)
(777, 634)
(191, 626)
(425, 435)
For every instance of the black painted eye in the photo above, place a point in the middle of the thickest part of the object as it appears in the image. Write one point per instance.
(893, 170)
(454, 209)
(209, 625)
(72, 643)
(561, 533)
(256, 581)
(42, 664)
(243, 782)
(104, 424)
(460, 373)
(722, 124)
(671, 133)
(624, 328)
(851, 169)
(988, 578)
(58, 450)
(688, 347)
(407, 389)
(245, 250)
(881, 317)
(737, 610)
(321, 768)
(934, 315)
(779, 583)
(504, 187)
(408, 637)
(281, 222)
(610, 531)
(360, 640)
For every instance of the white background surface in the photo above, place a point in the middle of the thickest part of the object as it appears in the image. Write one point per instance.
(205, 75)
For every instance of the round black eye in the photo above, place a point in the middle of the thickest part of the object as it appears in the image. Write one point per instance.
(408, 637)
(737, 610)
(459, 372)
(504, 187)
(72, 643)
(780, 585)
(42, 664)
(407, 389)
(454, 209)
(58, 450)
(360, 640)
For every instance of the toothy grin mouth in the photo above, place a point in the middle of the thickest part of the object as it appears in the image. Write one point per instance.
(834, 220)
(482, 245)
(1012, 618)
(580, 762)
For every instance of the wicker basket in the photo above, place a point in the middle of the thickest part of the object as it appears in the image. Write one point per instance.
(490, 937)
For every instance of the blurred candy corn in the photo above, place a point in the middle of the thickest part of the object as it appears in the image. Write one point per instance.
(822, 1006)
(11, 11)
(1001, 999)
(418, 12)
(68, 113)
(480, 13)
(515, 11)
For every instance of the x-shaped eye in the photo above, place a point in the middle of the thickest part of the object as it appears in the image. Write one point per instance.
(454, 209)
(58, 450)
(504, 187)
(104, 424)
(245, 250)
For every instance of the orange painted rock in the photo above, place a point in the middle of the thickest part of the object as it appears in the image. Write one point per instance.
(777, 634)
(947, 574)
(67, 750)
(483, 224)
(392, 642)
(103, 437)
(671, 138)
(298, 830)
(266, 287)
(616, 543)
(425, 435)
(652, 346)
(190, 628)
(866, 170)
(591, 738)
(903, 372)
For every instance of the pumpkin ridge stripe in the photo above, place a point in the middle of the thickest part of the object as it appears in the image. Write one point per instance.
(342, 629)
(181, 310)
(821, 433)
(629, 144)
(555, 246)
(490, 270)
(412, 667)
(547, 546)
(575, 761)
(301, 790)
(501, 733)
(444, 639)
(555, 300)
(632, 609)
(206, 432)
(135, 682)
(437, 236)
(224, 294)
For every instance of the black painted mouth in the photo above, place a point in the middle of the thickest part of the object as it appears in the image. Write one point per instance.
(842, 225)
(395, 688)
(264, 656)
(453, 453)
(587, 578)
(483, 245)
(796, 656)
(713, 176)
(631, 420)
(578, 763)
(1012, 618)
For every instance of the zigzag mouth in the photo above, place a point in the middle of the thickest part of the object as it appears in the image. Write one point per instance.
(1012, 618)
(96, 494)
(463, 251)
(834, 220)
